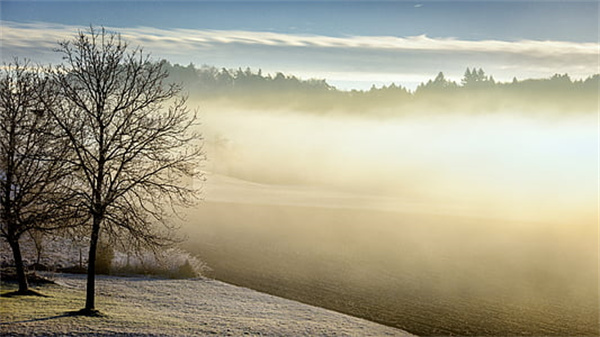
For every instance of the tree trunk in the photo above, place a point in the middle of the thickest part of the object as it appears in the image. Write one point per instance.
(91, 274)
(38, 258)
(21, 277)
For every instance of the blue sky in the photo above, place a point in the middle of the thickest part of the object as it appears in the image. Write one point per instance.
(350, 43)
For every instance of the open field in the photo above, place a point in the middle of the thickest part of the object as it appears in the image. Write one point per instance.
(426, 274)
(160, 307)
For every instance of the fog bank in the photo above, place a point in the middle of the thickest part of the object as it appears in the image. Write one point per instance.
(436, 224)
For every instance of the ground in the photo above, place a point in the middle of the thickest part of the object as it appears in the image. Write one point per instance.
(162, 307)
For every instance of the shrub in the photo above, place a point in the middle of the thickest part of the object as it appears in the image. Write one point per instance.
(104, 258)
(171, 263)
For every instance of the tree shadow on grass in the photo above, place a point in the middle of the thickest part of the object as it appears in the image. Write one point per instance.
(86, 312)
(82, 312)
(36, 319)
(28, 292)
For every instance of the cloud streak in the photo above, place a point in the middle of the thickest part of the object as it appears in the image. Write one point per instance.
(369, 54)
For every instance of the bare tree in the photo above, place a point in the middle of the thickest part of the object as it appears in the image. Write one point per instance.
(38, 243)
(132, 138)
(34, 191)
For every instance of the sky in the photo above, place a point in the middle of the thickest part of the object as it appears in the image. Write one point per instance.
(352, 44)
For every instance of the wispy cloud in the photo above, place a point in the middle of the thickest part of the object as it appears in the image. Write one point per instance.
(368, 54)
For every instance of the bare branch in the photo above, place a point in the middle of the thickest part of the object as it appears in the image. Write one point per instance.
(131, 140)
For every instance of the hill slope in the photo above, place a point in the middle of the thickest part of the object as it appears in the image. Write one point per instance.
(160, 307)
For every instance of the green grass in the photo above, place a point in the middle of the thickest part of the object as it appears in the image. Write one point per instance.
(51, 315)
(164, 307)
(23, 315)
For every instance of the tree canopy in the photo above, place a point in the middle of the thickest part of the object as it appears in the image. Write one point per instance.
(35, 188)
(476, 90)
(132, 139)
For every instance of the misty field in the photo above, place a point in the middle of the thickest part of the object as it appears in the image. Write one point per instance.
(463, 225)
(429, 275)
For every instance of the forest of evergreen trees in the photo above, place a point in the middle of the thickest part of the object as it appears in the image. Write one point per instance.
(476, 92)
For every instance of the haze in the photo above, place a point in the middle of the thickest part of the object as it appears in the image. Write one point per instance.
(482, 213)
(501, 165)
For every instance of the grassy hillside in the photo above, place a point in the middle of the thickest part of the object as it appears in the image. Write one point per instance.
(160, 307)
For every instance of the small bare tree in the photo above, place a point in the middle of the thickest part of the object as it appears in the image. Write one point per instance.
(132, 138)
(34, 178)
(38, 243)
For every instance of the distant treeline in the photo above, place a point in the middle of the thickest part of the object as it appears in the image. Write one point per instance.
(476, 92)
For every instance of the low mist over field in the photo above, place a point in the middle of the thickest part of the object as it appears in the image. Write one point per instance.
(495, 165)
(451, 209)
(492, 217)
